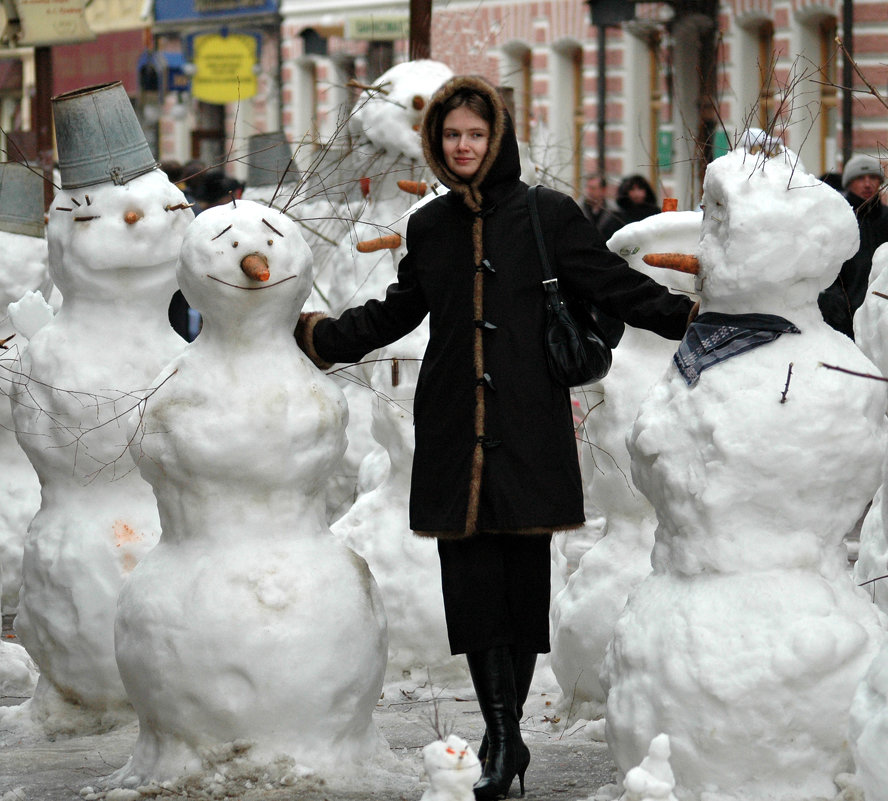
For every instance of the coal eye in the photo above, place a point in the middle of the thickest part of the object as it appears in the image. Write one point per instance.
(270, 242)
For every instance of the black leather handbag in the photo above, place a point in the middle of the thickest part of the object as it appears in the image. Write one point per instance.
(577, 348)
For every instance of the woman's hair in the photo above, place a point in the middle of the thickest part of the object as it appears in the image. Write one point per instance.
(632, 181)
(471, 99)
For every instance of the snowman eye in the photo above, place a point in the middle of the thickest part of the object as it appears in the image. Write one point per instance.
(270, 241)
(266, 222)
(235, 244)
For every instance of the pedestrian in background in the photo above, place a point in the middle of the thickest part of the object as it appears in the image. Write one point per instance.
(636, 199)
(862, 183)
(597, 207)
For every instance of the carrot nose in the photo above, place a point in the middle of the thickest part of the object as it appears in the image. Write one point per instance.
(255, 265)
(132, 217)
(681, 262)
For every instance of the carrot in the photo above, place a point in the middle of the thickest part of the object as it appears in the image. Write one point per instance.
(413, 187)
(674, 261)
(387, 242)
(255, 265)
(670, 204)
(365, 186)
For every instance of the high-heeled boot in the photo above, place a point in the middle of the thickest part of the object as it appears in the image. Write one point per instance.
(523, 664)
(493, 676)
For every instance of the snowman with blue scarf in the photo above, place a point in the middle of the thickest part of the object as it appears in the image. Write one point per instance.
(758, 449)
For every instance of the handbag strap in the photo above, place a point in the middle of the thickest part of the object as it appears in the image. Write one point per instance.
(538, 234)
(554, 300)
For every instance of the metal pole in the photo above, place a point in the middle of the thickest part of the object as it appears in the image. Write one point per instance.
(602, 95)
(420, 29)
(847, 80)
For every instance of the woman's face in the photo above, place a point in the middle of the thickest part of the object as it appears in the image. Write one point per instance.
(637, 194)
(465, 138)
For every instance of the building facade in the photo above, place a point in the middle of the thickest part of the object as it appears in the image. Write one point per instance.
(679, 80)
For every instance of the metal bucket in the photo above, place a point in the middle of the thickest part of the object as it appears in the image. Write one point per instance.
(21, 200)
(98, 137)
(268, 156)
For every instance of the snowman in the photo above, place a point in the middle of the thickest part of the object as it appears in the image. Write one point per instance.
(585, 611)
(747, 641)
(405, 566)
(871, 334)
(452, 768)
(114, 232)
(248, 621)
(23, 245)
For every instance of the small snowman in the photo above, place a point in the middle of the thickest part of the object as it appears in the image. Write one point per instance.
(653, 779)
(249, 620)
(23, 245)
(114, 233)
(748, 639)
(452, 768)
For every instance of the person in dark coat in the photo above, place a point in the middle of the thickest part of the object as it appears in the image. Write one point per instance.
(636, 199)
(862, 181)
(495, 468)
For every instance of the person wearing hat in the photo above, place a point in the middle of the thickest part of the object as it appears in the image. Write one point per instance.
(862, 181)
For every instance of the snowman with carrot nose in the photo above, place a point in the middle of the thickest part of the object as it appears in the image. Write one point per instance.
(745, 449)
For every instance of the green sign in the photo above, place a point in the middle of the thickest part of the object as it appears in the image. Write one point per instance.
(378, 28)
(720, 144)
(664, 150)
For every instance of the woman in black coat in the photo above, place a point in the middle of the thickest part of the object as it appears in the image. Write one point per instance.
(495, 468)
(636, 199)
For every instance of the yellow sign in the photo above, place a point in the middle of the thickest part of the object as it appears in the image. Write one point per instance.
(224, 68)
(48, 22)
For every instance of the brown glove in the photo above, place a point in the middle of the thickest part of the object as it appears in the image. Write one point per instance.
(304, 334)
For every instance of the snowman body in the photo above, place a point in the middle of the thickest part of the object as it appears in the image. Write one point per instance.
(25, 270)
(112, 250)
(747, 641)
(248, 621)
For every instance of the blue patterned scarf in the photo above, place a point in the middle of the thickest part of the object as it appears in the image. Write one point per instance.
(714, 337)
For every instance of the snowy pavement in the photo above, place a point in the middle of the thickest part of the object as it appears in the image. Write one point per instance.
(565, 764)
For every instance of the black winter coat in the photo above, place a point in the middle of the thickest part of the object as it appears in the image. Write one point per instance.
(840, 301)
(495, 442)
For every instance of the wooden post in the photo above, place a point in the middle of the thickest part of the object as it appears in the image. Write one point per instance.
(42, 117)
(420, 29)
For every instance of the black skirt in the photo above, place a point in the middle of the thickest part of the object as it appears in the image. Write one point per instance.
(496, 591)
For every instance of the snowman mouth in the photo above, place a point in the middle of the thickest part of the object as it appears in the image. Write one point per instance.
(253, 288)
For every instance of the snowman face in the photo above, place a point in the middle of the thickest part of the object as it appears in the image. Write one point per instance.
(108, 227)
(244, 259)
(451, 763)
(771, 234)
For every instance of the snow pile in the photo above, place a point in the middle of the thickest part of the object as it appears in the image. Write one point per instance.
(749, 608)
(869, 729)
(248, 621)
(111, 254)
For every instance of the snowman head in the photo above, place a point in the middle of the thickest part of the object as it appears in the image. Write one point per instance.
(772, 235)
(390, 117)
(245, 263)
(452, 768)
(104, 239)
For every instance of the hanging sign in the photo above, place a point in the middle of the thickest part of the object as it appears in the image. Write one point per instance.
(379, 27)
(49, 22)
(224, 68)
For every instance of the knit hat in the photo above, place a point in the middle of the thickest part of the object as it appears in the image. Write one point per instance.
(861, 165)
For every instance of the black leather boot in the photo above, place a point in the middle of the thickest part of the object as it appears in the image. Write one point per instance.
(523, 664)
(493, 675)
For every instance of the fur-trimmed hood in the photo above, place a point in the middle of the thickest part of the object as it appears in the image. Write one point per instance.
(502, 164)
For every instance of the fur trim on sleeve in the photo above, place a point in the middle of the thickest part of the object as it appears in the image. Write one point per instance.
(304, 334)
